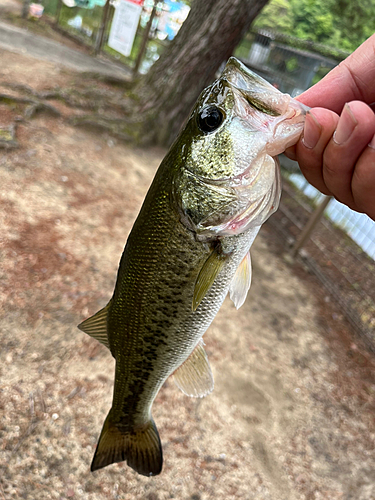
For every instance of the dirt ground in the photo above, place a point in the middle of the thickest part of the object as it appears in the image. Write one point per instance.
(292, 414)
(13, 6)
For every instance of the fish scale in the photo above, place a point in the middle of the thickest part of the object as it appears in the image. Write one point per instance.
(146, 331)
(188, 247)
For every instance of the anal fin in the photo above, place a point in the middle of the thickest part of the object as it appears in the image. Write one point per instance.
(96, 326)
(194, 377)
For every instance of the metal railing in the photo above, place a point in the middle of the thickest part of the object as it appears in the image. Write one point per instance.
(340, 264)
(91, 27)
(334, 242)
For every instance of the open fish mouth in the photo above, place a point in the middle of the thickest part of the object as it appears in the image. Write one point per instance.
(239, 188)
(275, 122)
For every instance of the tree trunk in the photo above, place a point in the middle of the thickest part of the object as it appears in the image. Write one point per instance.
(207, 38)
(25, 8)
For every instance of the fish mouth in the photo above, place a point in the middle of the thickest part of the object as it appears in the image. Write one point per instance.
(287, 131)
(274, 121)
(259, 94)
(265, 108)
(257, 189)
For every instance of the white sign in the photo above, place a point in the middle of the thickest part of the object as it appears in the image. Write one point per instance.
(124, 26)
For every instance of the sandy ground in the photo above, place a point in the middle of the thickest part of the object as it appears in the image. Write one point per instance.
(292, 413)
(48, 45)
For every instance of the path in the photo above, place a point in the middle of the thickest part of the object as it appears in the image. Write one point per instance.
(23, 42)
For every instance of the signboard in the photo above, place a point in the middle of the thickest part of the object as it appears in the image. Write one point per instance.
(171, 19)
(124, 25)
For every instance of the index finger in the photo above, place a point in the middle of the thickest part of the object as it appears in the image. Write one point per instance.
(353, 79)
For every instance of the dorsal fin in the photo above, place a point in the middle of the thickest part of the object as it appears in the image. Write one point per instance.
(194, 377)
(96, 326)
(241, 282)
(210, 269)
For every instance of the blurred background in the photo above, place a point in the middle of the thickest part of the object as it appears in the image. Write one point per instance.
(292, 44)
(292, 414)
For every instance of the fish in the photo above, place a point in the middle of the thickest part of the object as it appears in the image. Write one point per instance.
(188, 248)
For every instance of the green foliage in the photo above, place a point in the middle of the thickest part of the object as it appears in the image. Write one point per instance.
(355, 21)
(343, 24)
(292, 64)
(50, 6)
(313, 19)
(276, 16)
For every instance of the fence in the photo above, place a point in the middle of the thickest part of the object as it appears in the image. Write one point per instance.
(345, 270)
(340, 251)
(91, 24)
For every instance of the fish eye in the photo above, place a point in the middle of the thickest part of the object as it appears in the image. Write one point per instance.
(210, 119)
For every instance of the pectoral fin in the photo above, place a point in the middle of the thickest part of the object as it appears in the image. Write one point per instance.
(211, 268)
(96, 326)
(241, 282)
(194, 377)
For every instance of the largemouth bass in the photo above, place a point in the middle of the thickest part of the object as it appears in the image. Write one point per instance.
(188, 248)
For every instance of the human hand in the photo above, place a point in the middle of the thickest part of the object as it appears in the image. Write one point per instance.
(337, 153)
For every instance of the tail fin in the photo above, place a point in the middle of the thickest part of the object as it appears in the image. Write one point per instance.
(140, 447)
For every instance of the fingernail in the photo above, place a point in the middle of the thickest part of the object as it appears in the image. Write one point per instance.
(372, 143)
(347, 123)
(312, 131)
